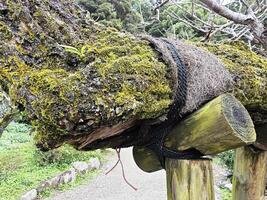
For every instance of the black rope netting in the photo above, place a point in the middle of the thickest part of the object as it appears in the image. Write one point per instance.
(160, 131)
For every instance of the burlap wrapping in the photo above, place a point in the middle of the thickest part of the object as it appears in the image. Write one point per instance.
(206, 75)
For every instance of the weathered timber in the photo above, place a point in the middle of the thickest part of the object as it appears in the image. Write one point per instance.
(190, 180)
(249, 174)
(75, 78)
(221, 124)
(146, 159)
(218, 126)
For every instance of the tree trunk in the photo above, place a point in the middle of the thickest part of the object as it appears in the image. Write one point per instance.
(94, 87)
(190, 180)
(249, 174)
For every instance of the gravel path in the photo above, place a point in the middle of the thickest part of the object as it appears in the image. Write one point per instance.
(112, 186)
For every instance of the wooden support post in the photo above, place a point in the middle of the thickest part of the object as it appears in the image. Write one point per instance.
(189, 179)
(220, 125)
(249, 174)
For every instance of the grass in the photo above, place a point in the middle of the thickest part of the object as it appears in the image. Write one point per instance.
(23, 167)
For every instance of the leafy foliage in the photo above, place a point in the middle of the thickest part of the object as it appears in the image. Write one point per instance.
(63, 156)
(177, 19)
(137, 16)
(117, 14)
(227, 159)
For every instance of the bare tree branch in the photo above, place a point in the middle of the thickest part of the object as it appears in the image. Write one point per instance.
(248, 26)
(160, 4)
(250, 19)
(227, 13)
(172, 14)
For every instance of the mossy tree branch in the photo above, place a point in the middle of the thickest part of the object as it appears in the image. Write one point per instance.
(110, 79)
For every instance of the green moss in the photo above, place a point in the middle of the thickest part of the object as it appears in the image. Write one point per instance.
(5, 32)
(76, 83)
(110, 77)
(129, 67)
(249, 72)
(55, 94)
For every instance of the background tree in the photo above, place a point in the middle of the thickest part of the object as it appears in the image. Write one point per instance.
(236, 20)
(205, 20)
(118, 14)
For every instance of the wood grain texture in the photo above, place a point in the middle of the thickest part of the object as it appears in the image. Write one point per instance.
(189, 180)
(249, 174)
(220, 125)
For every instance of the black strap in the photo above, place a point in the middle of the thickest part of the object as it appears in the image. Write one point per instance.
(160, 131)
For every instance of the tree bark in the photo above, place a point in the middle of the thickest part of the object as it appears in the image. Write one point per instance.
(249, 174)
(7, 111)
(91, 86)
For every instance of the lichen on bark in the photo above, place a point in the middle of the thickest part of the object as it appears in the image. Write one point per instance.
(75, 77)
(249, 72)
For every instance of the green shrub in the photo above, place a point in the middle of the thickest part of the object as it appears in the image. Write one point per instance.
(227, 158)
(64, 155)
